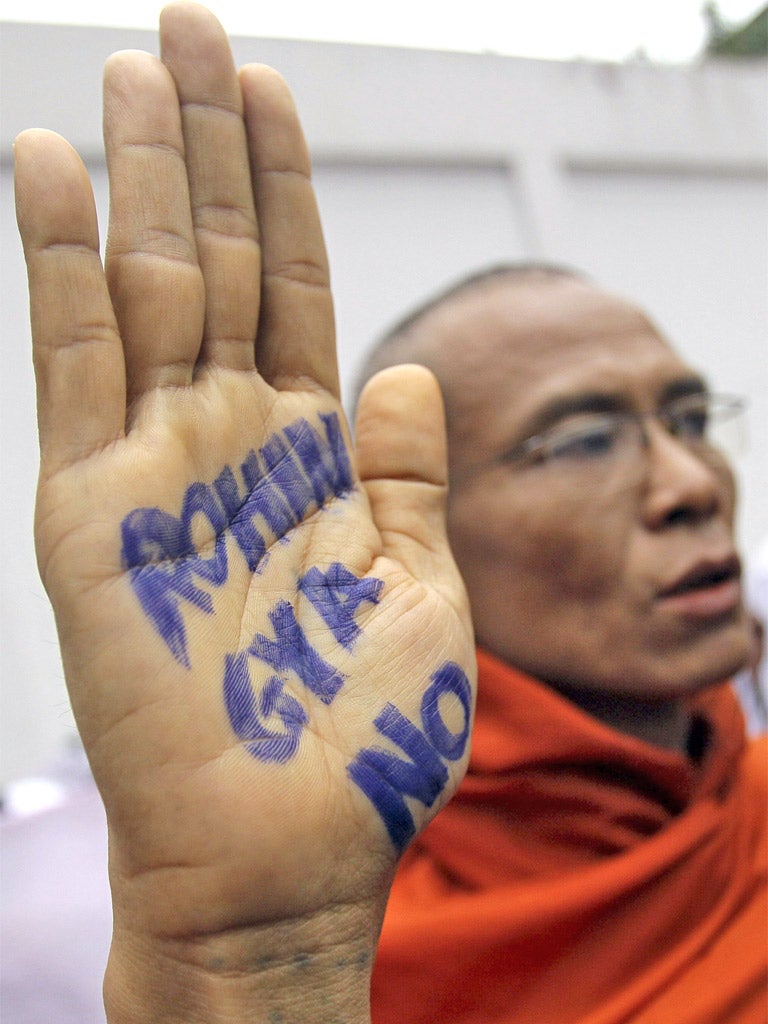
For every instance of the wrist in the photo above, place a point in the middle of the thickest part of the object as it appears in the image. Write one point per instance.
(298, 972)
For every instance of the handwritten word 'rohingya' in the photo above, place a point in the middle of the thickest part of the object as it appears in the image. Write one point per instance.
(270, 722)
(296, 472)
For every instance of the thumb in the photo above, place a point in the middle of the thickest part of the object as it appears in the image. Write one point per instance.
(402, 459)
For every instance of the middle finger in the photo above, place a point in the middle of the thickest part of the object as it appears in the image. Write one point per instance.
(195, 49)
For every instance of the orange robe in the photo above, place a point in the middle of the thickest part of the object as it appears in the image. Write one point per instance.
(581, 876)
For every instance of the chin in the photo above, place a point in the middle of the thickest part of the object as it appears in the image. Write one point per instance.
(673, 667)
(714, 659)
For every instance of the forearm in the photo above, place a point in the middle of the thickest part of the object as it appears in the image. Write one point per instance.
(301, 973)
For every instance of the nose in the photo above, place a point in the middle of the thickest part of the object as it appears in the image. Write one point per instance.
(684, 486)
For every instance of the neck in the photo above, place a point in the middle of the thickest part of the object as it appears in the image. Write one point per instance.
(665, 724)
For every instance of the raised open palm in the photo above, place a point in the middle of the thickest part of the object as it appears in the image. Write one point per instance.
(266, 643)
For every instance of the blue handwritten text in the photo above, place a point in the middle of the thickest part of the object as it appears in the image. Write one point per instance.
(387, 779)
(294, 473)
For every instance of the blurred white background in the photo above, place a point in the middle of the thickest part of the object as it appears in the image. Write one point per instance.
(552, 29)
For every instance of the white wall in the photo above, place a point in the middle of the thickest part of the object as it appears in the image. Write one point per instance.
(427, 165)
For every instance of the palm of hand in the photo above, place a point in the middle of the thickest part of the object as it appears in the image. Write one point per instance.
(265, 640)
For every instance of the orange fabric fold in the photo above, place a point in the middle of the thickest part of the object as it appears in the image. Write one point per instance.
(581, 876)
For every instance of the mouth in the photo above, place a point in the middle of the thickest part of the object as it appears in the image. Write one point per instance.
(709, 588)
(703, 575)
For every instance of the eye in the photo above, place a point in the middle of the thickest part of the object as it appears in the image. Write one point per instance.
(690, 420)
(594, 438)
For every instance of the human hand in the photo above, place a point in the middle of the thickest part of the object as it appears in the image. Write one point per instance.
(265, 639)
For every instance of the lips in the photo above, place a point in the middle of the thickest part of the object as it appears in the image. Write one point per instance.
(703, 575)
(708, 588)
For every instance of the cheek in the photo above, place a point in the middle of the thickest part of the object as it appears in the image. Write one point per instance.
(568, 555)
(564, 548)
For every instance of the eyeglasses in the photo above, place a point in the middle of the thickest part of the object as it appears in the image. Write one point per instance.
(602, 439)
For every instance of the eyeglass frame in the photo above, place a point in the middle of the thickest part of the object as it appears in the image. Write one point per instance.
(527, 451)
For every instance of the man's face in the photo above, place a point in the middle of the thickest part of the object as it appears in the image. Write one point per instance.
(623, 581)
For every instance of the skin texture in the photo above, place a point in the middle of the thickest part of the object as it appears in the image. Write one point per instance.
(243, 888)
(565, 583)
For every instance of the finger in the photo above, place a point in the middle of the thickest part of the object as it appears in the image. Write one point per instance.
(196, 51)
(402, 460)
(155, 282)
(296, 343)
(77, 351)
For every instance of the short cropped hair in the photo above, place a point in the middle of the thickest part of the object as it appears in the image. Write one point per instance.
(405, 343)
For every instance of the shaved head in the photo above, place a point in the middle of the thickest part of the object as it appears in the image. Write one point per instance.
(418, 337)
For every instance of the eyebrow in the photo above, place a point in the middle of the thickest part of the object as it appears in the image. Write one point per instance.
(560, 408)
(694, 384)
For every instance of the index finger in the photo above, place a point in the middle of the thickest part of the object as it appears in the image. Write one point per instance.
(296, 345)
